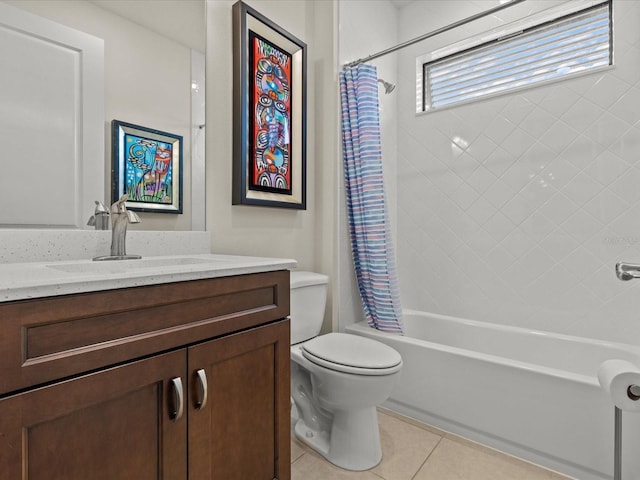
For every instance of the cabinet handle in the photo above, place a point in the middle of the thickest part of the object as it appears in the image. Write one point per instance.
(177, 399)
(202, 389)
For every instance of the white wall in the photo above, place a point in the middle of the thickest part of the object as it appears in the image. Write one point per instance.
(522, 221)
(366, 27)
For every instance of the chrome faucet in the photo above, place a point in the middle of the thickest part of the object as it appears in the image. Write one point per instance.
(100, 217)
(120, 218)
(627, 271)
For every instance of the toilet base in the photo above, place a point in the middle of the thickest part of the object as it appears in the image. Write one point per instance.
(353, 442)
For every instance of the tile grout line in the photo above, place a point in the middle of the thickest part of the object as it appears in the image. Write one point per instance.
(427, 459)
(297, 459)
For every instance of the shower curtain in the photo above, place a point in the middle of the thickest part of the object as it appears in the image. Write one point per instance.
(371, 245)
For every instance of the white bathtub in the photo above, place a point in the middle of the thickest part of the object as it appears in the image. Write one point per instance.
(529, 393)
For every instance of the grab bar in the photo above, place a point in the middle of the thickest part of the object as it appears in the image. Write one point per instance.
(627, 271)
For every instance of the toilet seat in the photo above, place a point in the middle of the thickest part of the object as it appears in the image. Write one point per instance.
(353, 354)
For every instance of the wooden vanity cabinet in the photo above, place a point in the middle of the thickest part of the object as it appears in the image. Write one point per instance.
(242, 431)
(214, 405)
(113, 424)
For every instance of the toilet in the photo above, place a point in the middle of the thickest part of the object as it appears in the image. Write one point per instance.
(337, 380)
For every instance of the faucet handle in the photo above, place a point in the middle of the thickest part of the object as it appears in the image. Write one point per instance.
(119, 205)
(100, 208)
(133, 217)
(99, 219)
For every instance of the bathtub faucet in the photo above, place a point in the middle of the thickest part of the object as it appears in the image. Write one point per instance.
(120, 218)
(627, 271)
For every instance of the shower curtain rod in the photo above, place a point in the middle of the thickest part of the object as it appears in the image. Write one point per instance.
(434, 32)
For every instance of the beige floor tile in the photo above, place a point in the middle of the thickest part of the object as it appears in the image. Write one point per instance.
(412, 421)
(453, 460)
(297, 449)
(475, 445)
(494, 452)
(405, 447)
(311, 466)
(557, 476)
(406, 443)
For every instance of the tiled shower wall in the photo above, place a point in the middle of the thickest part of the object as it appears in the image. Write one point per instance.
(514, 210)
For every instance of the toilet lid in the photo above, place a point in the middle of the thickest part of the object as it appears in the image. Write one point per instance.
(352, 354)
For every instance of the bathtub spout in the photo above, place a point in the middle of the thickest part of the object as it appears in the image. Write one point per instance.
(627, 271)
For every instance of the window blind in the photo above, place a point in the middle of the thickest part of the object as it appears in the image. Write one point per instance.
(576, 43)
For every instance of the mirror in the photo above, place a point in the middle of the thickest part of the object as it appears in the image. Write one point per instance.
(154, 62)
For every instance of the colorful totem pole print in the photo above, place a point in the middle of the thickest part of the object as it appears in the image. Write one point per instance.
(270, 110)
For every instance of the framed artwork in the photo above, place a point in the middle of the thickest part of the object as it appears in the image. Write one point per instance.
(147, 165)
(269, 113)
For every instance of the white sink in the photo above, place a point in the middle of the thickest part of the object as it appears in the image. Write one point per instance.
(124, 266)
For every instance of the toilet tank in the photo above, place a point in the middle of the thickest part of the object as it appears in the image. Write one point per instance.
(308, 300)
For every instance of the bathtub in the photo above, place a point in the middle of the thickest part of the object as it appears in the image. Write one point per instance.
(528, 393)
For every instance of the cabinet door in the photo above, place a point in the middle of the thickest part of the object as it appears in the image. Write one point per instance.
(241, 431)
(115, 424)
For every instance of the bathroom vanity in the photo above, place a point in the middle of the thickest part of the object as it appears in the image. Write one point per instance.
(171, 369)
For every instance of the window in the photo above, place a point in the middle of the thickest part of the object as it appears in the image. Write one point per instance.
(575, 43)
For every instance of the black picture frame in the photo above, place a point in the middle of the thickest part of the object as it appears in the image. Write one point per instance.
(147, 164)
(279, 148)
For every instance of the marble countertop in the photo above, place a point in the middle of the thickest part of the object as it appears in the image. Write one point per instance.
(19, 281)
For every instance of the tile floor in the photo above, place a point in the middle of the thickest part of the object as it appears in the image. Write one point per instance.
(414, 451)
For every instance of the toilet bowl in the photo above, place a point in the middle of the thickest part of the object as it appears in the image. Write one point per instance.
(337, 381)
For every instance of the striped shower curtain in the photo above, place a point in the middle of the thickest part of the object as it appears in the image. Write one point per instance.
(371, 245)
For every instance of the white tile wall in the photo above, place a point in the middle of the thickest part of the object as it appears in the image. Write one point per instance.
(514, 210)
